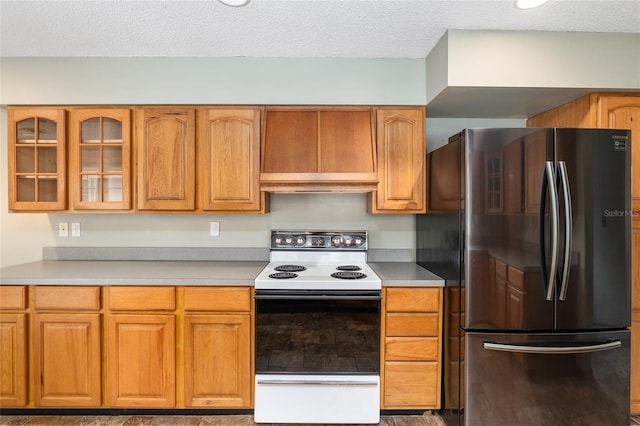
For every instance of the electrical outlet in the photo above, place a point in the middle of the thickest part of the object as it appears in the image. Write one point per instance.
(63, 229)
(214, 229)
(75, 229)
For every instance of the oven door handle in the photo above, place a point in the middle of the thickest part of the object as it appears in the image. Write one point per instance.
(292, 295)
(317, 382)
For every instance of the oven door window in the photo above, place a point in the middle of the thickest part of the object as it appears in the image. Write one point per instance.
(317, 335)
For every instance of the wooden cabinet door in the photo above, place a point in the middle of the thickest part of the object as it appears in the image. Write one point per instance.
(37, 159)
(166, 147)
(446, 177)
(229, 160)
(13, 360)
(100, 158)
(67, 360)
(401, 161)
(141, 363)
(217, 354)
(623, 112)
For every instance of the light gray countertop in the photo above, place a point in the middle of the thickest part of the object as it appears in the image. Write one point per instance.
(405, 274)
(206, 273)
(117, 272)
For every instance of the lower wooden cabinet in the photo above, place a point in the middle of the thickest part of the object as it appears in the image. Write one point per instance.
(412, 384)
(412, 342)
(67, 346)
(141, 346)
(13, 359)
(217, 352)
(217, 347)
(141, 361)
(66, 349)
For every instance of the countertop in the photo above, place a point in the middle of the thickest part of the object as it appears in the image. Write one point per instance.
(205, 273)
(118, 272)
(405, 274)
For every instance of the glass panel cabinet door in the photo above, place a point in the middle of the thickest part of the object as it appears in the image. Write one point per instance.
(36, 159)
(100, 160)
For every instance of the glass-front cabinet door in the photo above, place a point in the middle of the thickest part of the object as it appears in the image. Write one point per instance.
(100, 159)
(36, 159)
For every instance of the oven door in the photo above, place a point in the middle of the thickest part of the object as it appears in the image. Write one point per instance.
(316, 350)
(327, 332)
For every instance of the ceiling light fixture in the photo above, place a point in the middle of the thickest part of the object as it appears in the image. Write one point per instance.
(529, 4)
(234, 3)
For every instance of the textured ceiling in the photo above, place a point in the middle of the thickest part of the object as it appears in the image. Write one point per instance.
(282, 28)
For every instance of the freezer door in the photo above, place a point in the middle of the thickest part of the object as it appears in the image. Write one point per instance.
(596, 292)
(545, 379)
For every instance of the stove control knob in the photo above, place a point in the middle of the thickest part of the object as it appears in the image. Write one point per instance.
(358, 241)
(278, 240)
(347, 241)
(336, 241)
(300, 241)
(288, 240)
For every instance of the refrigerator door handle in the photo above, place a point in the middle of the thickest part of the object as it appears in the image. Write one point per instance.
(549, 181)
(568, 231)
(551, 350)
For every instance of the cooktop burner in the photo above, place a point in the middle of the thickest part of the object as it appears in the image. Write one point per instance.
(289, 268)
(283, 275)
(349, 268)
(349, 275)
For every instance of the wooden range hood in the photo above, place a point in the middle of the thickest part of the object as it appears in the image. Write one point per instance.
(318, 149)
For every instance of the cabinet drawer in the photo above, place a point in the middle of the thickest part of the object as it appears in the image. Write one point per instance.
(501, 270)
(67, 298)
(412, 324)
(413, 299)
(516, 278)
(130, 298)
(411, 384)
(219, 299)
(411, 348)
(13, 297)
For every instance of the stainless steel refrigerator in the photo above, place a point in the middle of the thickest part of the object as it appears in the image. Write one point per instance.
(536, 260)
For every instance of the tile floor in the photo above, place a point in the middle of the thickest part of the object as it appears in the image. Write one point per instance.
(235, 420)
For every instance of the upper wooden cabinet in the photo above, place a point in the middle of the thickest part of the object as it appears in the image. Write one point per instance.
(401, 161)
(166, 158)
(318, 149)
(446, 176)
(100, 160)
(37, 171)
(229, 160)
(601, 110)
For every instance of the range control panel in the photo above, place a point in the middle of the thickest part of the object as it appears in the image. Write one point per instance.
(319, 240)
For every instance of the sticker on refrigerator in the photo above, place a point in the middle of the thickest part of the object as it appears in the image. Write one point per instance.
(619, 143)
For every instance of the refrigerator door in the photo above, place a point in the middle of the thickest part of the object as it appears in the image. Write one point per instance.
(503, 271)
(594, 281)
(547, 379)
